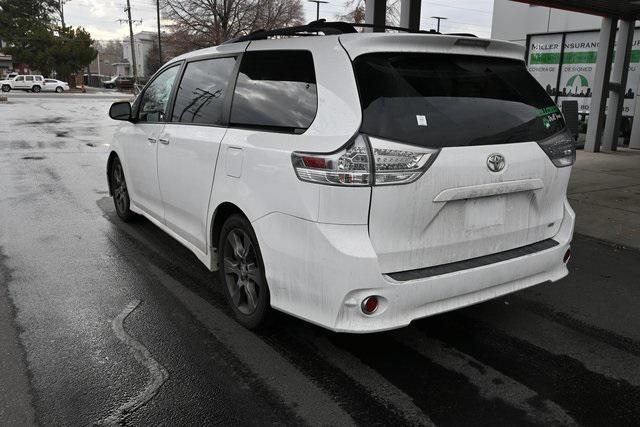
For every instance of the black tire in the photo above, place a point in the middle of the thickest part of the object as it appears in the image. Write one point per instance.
(242, 273)
(6, 88)
(120, 193)
(59, 89)
(36, 89)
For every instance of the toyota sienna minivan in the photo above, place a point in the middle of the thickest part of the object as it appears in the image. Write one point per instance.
(358, 181)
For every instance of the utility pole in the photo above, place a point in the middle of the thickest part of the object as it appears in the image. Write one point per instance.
(131, 41)
(61, 6)
(159, 34)
(439, 18)
(317, 2)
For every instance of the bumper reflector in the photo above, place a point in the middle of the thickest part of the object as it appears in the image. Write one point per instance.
(369, 305)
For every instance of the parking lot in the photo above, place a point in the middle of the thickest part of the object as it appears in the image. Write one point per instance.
(106, 322)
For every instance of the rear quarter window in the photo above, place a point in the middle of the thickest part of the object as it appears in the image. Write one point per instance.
(275, 90)
(443, 100)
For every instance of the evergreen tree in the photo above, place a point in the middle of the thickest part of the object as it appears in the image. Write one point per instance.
(32, 34)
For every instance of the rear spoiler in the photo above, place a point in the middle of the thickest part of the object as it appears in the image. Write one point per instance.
(358, 44)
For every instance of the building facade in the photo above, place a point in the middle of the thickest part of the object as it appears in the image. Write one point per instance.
(6, 62)
(143, 44)
(514, 20)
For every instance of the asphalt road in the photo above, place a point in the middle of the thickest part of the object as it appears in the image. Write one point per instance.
(105, 322)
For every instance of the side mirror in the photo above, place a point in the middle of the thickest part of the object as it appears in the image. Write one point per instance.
(120, 111)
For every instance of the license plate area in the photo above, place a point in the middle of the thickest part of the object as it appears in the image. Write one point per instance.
(485, 212)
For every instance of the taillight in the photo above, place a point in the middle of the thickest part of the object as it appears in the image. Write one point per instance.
(393, 163)
(348, 166)
(560, 148)
(399, 163)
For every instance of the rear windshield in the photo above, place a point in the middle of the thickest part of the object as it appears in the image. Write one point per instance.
(440, 100)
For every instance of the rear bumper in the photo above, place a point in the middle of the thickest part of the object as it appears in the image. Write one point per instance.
(322, 272)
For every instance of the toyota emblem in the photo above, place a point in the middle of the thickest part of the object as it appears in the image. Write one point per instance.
(495, 162)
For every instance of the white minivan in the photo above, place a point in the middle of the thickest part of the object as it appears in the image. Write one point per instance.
(358, 181)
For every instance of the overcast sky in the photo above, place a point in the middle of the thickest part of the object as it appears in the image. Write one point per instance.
(100, 17)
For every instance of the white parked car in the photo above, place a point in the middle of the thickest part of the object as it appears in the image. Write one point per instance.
(29, 82)
(357, 181)
(53, 85)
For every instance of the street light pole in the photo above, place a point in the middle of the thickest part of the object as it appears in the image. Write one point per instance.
(439, 18)
(317, 2)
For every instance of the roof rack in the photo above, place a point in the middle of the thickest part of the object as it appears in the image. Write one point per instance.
(310, 29)
(322, 26)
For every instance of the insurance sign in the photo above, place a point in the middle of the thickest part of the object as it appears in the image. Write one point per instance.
(567, 74)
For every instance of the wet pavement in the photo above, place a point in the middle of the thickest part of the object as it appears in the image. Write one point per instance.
(106, 322)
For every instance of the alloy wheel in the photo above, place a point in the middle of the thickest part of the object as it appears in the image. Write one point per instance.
(242, 272)
(120, 194)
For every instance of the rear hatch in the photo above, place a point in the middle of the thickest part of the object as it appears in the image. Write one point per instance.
(498, 181)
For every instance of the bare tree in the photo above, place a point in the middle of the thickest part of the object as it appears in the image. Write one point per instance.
(200, 23)
(355, 12)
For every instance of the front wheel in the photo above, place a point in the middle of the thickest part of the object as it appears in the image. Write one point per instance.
(36, 89)
(242, 273)
(6, 88)
(120, 193)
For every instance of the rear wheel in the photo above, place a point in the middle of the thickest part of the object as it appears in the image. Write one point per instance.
(242, 273)
(120, 193)
(6, 88)
(59, 89)
(36, 89)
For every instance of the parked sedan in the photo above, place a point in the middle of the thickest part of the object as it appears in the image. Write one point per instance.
(53, 85)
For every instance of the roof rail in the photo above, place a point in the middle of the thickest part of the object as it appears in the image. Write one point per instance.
(310, 29)
(327, 28)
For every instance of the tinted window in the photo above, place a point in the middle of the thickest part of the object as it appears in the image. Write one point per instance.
(29, 78)
(20, 79)
(155, 98)
(440, 100)
(200, 97)
(275, 89)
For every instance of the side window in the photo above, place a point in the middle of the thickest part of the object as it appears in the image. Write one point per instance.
(201, 94)
(38, 78)
(29, 78)
(20, 78)
(276, 89)
(155, 99)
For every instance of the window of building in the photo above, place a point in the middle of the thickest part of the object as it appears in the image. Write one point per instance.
(202, 91)
(276, 89)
